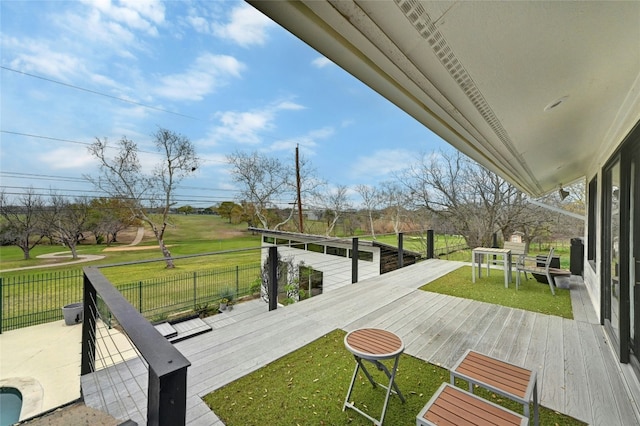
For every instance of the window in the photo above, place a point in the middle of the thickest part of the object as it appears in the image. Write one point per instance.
(269, 240)
(591, 225)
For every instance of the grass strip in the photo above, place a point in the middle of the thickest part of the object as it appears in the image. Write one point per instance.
(531, 296)
(308, 387)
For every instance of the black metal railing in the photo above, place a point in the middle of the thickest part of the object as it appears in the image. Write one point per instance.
(167, 367)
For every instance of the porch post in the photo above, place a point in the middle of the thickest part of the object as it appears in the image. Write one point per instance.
(400, 250)
(273, 278)
(429, 243)
(354, 260)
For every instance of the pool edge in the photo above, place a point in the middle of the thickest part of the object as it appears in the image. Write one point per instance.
(32, 394)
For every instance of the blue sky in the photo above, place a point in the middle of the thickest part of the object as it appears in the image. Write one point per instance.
(217, 72)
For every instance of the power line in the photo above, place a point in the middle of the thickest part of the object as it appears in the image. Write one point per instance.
(94, 92)
(41, 177)
(44, 137)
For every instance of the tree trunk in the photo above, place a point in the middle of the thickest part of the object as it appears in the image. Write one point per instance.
(74, 252)
(26, 252)
(166, 253)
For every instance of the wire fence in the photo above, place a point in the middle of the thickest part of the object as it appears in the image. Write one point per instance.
(28, 300)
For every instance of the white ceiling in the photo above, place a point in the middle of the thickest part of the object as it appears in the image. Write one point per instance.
(480, 74)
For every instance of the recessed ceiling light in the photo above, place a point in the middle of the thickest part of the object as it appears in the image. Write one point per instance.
(555, 103)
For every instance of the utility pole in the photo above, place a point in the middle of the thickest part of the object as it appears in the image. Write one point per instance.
(298, 186)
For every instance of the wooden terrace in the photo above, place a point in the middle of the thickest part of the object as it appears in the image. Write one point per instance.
(577, 371)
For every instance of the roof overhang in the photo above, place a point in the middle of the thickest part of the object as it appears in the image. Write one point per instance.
(538, 92)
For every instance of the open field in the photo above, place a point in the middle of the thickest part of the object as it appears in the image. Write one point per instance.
(187, 235)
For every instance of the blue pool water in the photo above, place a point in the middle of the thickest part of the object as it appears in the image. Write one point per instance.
(10, 405)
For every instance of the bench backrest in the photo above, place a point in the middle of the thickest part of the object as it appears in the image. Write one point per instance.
(521, 261)
(516, 248)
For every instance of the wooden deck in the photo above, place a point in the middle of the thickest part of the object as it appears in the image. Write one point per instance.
(577, 371)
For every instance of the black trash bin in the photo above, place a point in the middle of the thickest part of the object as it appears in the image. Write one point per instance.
(576, 259)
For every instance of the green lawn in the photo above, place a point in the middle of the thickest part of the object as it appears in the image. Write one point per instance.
(308, 386)
(186, 235)
(532, 295)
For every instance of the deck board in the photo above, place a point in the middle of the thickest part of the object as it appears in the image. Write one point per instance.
(603, 405)
(576, 399)
(507, 338)
(576, 374)
(553, 374)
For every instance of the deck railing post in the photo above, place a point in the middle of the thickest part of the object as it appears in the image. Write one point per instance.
(273, 278)
(400, 250)
(167, 405)
(167, 377)
(429, 243)
(354, 260)
(90, 314)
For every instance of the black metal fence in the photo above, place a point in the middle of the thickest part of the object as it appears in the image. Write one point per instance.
(37, 299)
(27, 300)
(157, 297)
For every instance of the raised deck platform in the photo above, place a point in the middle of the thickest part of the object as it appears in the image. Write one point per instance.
(577, 371)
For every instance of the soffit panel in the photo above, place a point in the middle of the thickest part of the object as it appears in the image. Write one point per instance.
(516, 56)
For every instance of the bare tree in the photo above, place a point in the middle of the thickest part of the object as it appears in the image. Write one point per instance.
(67, 220)
(473, 200)
(122, 177)
(335, 202)
(371, 198)
(267, 183)
(394, 200)
(23, 224)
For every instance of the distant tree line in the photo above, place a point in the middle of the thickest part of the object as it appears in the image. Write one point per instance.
(444, 191)
(441, 190)
(31, 218)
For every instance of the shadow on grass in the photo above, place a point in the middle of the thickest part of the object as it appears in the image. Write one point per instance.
(531, 296)
(308, 386)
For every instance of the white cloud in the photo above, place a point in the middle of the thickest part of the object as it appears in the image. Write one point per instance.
(382, 162)
(245, 126)
(307, 142)
(199, 24)
(39, 57)
(135, 14)
(321, 62)
(247, 26)
(67, 158)
(203, 77)
(288, 105)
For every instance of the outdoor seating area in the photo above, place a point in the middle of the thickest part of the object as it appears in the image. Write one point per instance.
(452, 406)
(435, 328)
